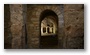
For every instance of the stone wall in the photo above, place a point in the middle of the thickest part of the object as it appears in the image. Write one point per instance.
(74, 25)
(33, 23)
(17, 25)
(22, 25)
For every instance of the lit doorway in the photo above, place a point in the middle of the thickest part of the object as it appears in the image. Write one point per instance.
(48, 33)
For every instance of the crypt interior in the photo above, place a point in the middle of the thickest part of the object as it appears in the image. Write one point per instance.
(43, 26)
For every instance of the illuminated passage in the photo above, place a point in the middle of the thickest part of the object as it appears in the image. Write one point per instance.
(48, 26)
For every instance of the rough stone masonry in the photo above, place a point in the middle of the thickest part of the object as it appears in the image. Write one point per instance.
(22, 25)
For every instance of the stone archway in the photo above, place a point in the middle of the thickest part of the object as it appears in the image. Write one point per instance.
(49, 26)
(37, 13)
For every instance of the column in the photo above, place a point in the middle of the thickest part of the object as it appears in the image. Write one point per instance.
(16, 17)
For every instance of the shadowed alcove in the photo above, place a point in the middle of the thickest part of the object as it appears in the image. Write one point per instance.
(48, 33)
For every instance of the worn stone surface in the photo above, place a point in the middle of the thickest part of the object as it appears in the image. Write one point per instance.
(74, 25)
(16, 19)
(22, 25)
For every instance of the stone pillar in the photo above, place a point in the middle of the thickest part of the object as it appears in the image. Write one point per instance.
(61, 28)
(16, 11)
(54, 28)
(51, 29)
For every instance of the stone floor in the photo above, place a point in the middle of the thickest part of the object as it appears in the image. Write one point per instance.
(49, 42)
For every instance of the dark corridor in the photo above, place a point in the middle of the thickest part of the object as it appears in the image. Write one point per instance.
(49, 38)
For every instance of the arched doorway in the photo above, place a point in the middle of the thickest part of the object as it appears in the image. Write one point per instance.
(49, 29)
